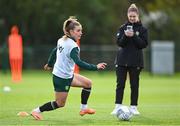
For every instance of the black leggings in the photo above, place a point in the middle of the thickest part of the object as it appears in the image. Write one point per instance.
(121, 74)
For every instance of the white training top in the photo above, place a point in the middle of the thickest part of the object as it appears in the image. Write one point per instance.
(64, 65)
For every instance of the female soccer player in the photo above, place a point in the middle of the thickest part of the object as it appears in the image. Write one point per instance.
(132, 37)
(67, 55)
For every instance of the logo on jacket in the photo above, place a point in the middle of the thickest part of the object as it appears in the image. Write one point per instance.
(137, 33)
(117, 34)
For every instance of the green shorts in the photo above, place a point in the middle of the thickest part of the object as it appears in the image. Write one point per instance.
(61, 85)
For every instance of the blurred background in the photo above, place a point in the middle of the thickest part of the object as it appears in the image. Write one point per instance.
(40, 24)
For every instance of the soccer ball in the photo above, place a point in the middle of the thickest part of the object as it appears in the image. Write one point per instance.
(124, 114)
(6, 89)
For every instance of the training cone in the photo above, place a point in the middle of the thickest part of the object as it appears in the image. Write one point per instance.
(22, 114)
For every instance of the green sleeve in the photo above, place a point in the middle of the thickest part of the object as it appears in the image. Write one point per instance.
(52, 58)
(75, 56)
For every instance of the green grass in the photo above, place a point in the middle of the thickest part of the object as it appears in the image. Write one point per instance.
(159, 100)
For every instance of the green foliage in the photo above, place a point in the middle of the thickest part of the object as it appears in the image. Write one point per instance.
(169, 30)
(41, 21)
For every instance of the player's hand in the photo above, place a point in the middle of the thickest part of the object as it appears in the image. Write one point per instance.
(46, 67)
(101, 66)
(129, 33)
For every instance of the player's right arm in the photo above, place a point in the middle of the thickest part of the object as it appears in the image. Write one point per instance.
(51, 60)
(121, 37)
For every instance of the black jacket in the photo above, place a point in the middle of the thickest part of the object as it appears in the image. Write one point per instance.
(130, 52)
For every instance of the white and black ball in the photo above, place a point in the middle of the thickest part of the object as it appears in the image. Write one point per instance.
(124, 114)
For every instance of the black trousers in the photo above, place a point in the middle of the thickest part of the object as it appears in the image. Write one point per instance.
(121, 74)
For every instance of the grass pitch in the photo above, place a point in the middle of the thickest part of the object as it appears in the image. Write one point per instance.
(159, 100)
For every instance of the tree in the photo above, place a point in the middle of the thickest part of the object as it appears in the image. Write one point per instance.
(41, 21)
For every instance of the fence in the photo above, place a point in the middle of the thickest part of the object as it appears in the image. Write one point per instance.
(35, 57)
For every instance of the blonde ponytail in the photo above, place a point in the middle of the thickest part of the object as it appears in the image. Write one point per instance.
(70, 24)
(133, 8)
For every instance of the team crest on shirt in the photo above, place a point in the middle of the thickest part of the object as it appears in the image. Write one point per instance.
(137, 33)
(60, 48)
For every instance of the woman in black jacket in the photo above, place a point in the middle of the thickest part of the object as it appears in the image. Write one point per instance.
(132, 37)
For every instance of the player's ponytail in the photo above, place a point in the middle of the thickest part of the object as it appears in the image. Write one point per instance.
(133, 8)
(70, 24)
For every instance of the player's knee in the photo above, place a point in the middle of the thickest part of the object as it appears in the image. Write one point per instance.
(89, 84)
(134, 87)
(120, 86)
(60, 103)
